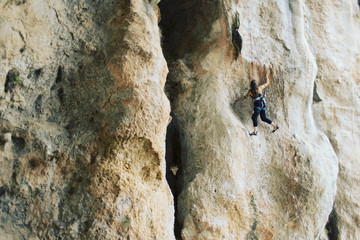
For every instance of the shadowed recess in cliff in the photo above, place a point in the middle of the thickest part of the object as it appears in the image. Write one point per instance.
(185, 24)
(316, 97)
(236, 37)
(173, 168)
(332, 226)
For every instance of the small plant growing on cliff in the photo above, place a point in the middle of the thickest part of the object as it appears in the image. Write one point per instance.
(12, 79)
(16, 73)
(127, 221)
(17, 80)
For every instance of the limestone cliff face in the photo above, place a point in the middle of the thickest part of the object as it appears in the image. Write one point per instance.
(273, 186)
(83, 132)
(85, 122)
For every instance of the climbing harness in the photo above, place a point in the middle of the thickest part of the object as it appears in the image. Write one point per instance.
(262, 101)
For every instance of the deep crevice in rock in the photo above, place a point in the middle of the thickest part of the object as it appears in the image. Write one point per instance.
(185, 26)
(173, 168)
(175, 22)
(332, 226)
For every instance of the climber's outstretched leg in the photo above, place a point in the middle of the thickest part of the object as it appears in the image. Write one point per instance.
(265, 119)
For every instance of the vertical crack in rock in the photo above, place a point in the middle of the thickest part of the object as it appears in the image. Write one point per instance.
(173, 168)
(252, 235)
(182, 33)
(332, 226)
(185, 25)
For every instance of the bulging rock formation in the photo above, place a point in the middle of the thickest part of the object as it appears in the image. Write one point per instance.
(118, 120)
(273, 186)
(83, 132)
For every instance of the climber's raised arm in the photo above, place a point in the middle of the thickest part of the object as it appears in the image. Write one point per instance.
(261, 88)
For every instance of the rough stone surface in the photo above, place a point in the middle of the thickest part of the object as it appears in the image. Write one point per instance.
(337, 51)
(273, 186)
(84, 120)
(82, 142)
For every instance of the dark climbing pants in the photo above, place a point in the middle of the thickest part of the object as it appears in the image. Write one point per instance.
(263, 117)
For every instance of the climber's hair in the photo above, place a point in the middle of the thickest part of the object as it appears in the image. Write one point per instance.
(254, 88)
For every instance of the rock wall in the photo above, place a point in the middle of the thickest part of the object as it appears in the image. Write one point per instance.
(273, 186)
(85, 130)
(83, 125)
(337, 111)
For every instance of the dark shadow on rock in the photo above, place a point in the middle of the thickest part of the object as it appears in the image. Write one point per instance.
(236, 37)
(185, 24)
(174, 167)
(316, 97)
(243, 110)
(332, 226)
(12, 78)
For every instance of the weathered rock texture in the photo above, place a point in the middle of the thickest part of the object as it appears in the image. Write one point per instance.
(82, 145)
(83, 119)
(273, 186)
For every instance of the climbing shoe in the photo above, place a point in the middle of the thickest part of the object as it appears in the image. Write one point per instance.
(277, 127)
(253, 134)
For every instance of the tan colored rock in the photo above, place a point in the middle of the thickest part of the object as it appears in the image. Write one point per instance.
(82, 134)
(282, 185)
(82, 142)
(337, 48)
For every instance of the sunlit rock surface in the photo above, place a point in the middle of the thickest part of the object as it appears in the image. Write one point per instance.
(82, 148)
(95, 95)
(281, 185)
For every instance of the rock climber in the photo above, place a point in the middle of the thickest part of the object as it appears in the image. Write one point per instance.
(259, 103)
